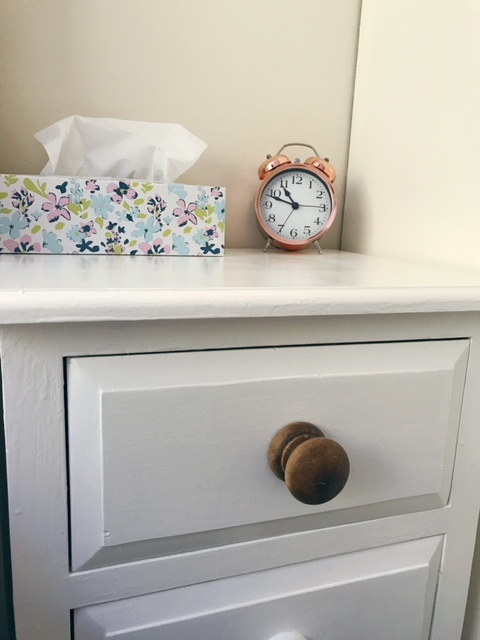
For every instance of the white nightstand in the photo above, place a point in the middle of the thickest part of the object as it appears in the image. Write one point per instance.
(141, 397)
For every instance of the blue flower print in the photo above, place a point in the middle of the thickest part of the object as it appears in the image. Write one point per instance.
(202, 198)
(76, 234)
(52, 242)
(13, 224)
(178, 189)
(199, 236)
(124, 215)
(220, 210)
(146, 230)
(135, 211)
(76, 192)
(180, 245)
(102, 205)
(36, 215)
(210, 248)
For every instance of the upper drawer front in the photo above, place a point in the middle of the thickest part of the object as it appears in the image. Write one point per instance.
(379, 594)
(176, 444)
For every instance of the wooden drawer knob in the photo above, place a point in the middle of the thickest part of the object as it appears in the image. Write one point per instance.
(314, 468)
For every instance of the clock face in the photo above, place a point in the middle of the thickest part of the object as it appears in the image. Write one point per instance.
(296, 206)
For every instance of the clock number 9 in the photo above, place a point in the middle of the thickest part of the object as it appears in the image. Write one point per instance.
(268, 204)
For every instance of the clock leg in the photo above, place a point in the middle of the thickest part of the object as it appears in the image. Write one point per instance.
(318, 247)
(269, 242)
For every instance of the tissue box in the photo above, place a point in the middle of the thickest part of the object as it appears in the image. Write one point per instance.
(51, 214)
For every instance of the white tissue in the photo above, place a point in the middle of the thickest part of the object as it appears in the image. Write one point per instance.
(112, 148)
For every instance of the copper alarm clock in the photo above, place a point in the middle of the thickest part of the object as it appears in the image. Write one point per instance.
(296, 203)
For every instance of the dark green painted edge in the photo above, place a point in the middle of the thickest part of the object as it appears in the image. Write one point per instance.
(7, 623)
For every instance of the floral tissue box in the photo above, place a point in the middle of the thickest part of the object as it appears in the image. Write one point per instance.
(51, 214)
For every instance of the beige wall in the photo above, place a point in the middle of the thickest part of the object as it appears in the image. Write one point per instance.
(246, 76)
(414, 171)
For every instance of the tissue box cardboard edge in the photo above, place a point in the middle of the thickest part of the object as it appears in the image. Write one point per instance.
(66, 215)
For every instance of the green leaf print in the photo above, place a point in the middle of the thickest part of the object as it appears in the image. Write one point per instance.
(167, 232)
(139, 201)
(100, 222)
(59, 226)
(36, 228)
(146, 187)
(29, 184)
(10, 180)
(3, 195)
(187, 230)
(74, 208)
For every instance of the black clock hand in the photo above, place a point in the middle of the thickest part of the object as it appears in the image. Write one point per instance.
(316, 206)
(280, 199)
(280, 226)
(287, 193)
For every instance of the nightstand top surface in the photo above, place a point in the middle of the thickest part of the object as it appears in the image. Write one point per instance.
(244, 283)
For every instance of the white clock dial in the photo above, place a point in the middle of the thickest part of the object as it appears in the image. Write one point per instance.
(296, 205)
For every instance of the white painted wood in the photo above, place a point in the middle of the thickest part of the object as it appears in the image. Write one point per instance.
(288, 635)
(460, 541)
(35, 423)
(163, 436)
(386, 593)
(32, 375)
(178, 570)
(244, 284)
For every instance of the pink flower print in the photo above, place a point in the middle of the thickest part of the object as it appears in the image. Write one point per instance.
(88, 228)
(120, 191)
(156, 248)
(22, 200)
(216, 193)
(56, 208)
(11, 245)
(156, 206)
(23, 245)
(185, 213)
(212, 231)
(92, 186)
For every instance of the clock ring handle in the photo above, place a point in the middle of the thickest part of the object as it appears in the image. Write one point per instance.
(300, 144)
(314, 468)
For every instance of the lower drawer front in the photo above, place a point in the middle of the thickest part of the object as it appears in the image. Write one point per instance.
(367, 595)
